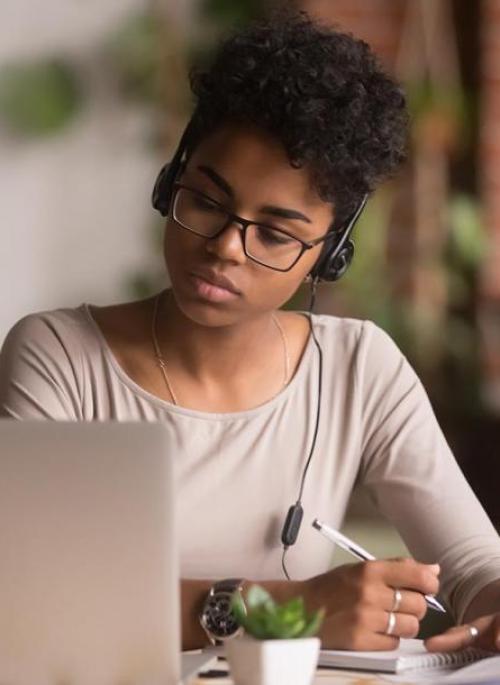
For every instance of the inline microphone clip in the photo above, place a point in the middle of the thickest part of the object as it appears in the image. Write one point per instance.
(292, 525)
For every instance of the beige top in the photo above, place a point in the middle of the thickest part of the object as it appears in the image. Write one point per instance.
(239, 472)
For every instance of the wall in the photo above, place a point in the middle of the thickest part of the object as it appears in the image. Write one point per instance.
(74, 207)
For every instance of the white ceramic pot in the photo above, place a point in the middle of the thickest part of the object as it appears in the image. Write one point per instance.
(272, 662)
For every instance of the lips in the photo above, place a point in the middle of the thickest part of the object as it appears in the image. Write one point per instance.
(218, 280)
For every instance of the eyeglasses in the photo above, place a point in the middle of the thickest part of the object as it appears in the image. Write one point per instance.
(266, 245)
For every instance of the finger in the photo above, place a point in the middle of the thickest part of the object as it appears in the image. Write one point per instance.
(459, 637)
(411, 575)
(488, 636)
(454, 638)
(494, 630)
(410, 603)
(400, 625)
(357, 630)
(361, 642)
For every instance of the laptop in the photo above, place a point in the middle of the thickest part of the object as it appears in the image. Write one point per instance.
(89, 580)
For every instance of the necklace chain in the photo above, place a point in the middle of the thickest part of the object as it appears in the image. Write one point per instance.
(286, 355)
(160, 359)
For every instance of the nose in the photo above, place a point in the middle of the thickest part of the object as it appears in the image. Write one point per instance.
(228, 245)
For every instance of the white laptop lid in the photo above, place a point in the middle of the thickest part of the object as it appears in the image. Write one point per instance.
(88, 569)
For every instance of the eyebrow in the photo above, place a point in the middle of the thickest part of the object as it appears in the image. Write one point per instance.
(282, 212)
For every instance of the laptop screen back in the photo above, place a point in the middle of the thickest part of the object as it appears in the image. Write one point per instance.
(88, 567)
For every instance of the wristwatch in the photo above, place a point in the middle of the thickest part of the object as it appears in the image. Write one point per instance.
(216, 616)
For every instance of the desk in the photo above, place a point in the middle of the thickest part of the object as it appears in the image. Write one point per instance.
(323, 677)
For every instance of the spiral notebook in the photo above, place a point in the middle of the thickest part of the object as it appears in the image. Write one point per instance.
(411, 655)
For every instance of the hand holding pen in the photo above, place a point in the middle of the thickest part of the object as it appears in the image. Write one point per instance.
(360, 553)
(370, 605)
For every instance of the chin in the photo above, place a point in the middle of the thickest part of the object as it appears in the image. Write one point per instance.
(203, 313)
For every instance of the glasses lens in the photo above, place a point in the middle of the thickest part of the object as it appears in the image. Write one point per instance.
(272, 247)
(207, 218)
(198, 213)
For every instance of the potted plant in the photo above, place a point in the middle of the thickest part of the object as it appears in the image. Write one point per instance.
(277, 645)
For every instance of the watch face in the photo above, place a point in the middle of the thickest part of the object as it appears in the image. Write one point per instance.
(217, 616)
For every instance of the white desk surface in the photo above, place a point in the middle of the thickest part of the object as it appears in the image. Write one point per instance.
(323, 677)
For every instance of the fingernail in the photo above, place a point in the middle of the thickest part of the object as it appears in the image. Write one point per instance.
(436, 568)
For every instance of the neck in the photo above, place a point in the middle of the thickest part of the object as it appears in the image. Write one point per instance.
(216, 353)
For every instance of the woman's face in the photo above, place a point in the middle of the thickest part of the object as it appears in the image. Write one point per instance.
(246, 171)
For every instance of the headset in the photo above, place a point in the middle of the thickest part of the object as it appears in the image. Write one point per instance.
(334, 260)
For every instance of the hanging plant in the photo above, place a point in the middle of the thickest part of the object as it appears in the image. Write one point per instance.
(228, 12)
(134, 53)
(467, 233)
(38, 99)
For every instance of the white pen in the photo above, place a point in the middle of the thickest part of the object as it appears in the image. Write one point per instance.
(358, 551)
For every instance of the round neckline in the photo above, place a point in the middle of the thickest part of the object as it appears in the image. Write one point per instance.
(196, 413)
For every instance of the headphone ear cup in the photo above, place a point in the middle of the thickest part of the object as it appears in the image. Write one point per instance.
(342, 261)
(162, 191)
(334, 260)
(160, 198)
(164, 185)
(333, 265)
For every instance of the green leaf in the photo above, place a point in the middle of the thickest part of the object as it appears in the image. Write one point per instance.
(257, 596)
(264, 619)
(293, 630)
(292, 610)
(238, 609)
(314, 624)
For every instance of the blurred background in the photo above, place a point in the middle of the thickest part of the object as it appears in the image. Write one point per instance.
(93, 97)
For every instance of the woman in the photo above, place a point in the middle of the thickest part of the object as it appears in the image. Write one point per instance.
(294, 125)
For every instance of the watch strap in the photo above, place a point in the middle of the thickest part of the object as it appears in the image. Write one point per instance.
(228, 585)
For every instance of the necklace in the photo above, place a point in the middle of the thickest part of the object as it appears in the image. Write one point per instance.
(160, 359)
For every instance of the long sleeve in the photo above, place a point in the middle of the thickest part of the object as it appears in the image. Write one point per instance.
(414, 479)
(39, 372)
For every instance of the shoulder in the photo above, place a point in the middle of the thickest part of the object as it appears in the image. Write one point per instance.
(50, 332)
(359, 336)
(48, 345)
(41, 365)
(363, 351)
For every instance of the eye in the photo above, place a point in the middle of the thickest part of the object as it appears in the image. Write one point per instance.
(205, 204)
(270, 236)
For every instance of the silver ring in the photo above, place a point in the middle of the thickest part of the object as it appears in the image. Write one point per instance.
(398, 598)
(391, 623)
(473, 632)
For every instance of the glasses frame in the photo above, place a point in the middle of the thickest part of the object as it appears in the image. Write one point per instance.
(243, 226)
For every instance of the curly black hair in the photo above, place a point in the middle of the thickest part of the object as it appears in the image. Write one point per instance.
(319, 91)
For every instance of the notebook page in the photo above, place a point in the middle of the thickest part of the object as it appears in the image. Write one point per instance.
(484, 672)
(487, 670)
(410, 656)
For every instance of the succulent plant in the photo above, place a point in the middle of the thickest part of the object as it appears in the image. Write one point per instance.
(264, 619)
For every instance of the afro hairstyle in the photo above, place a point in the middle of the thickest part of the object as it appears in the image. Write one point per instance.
(319, 91)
